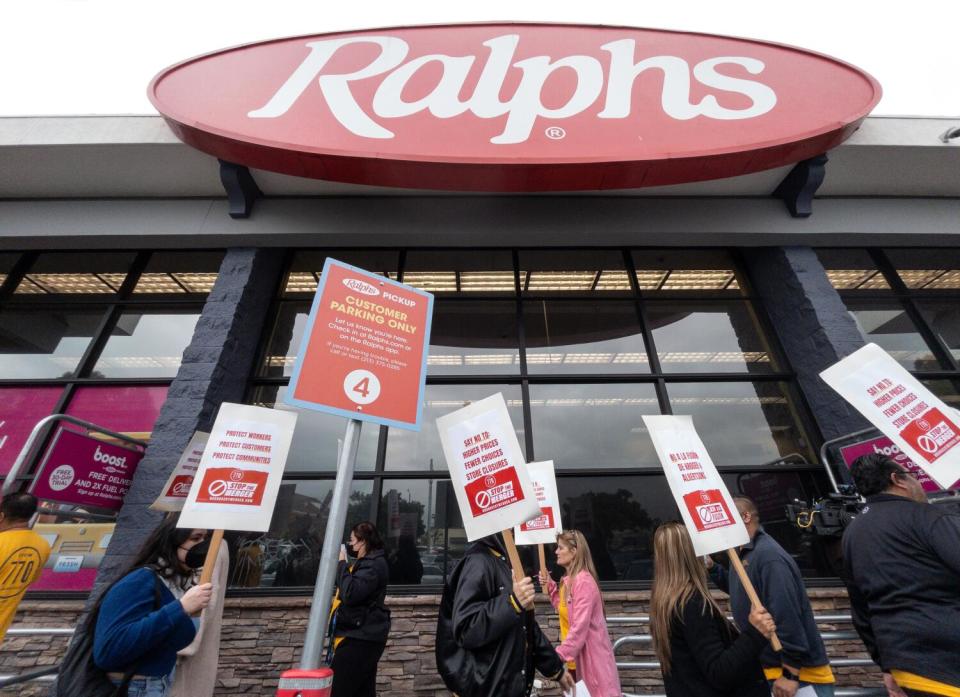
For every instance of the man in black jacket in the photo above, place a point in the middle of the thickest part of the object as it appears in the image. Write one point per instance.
(777, 578)
(902, 568)
(488, 641)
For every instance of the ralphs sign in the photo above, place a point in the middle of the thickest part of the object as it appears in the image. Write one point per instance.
(514, 107)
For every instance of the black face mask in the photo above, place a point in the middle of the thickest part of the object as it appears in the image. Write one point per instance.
(197, 555)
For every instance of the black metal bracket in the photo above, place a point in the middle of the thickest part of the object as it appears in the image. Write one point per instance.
(799, 186)
(241, 188)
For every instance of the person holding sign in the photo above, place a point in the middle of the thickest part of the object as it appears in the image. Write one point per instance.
(488, 640)
(777, 579)
(902, 570)
(360, 621)
(585, 641)
(701, 654)
(146, 617)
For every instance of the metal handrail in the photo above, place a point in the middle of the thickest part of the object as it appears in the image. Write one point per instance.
(645, 619)
(25, 452)
(45, 674)
(40, 631)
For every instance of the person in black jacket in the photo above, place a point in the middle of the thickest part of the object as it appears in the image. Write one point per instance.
(360, 621)
(902, 570)
(488, 640)
(701, 654)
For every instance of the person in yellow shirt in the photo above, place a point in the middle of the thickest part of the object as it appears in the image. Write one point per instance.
(22, 554)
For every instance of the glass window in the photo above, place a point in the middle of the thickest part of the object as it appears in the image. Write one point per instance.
(410, 450)
(307, 265)
(422, 530)
(45, 342)
(285, 339)
(943, 316)
(714, 337)
(593, 425)
(927, 269)
(121, 408)
(947, 390)
(179, 273)
(147, 343)
(575, 271)
(887, 324)
(742, 423)
(684, 271)
(289, 553)
(852, 270)
(318, 437)
(583, 337)
(454, 272)
(473, 338)
(20, 410)
(70, 273)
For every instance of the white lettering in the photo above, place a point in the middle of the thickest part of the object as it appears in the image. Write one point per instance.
(763, 98)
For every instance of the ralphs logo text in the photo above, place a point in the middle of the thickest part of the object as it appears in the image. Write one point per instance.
(444, 86)
(355, 284)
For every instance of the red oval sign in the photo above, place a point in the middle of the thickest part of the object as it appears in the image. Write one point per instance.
(514, 107)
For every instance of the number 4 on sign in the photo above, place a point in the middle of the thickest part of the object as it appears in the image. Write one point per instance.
(363, 387)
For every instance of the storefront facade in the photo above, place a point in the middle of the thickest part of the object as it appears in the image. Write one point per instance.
(129, 297)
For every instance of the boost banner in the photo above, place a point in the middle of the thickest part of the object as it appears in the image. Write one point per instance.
(705, 504)
(544, 528)
(238, 480)
(364, 351)
(487, 468)
(924, 428)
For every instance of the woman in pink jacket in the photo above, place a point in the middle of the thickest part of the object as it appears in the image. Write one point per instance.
(583, 625)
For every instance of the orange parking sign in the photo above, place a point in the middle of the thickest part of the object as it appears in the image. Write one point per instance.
(364, 351)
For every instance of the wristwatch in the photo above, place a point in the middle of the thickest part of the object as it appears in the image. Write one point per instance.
(790, 675)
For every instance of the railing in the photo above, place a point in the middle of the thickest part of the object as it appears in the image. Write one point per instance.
(820, 619)
(44, 674)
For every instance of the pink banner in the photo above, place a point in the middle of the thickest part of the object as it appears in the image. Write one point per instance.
(119, 408)
(20, 410)
(85, 471)
(885, 446)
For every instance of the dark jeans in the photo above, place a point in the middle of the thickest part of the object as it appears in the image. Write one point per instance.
(355, 668)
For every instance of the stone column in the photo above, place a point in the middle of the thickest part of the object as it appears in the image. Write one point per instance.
(812, 324)
(215, 369)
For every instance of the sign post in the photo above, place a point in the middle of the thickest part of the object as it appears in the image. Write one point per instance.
(921, 426)
(544, 528)
(705, 504)
(488, 472)
(363, 356)
(238, 478)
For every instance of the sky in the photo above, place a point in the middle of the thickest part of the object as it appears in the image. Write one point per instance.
(71, 57)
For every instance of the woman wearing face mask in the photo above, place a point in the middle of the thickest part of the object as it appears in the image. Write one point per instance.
(360, 622)
(147, 616)
(584, 641)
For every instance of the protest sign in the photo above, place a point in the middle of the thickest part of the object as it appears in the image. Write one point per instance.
(705, 504)
(178, 484)
(81, 470)
(925, 429)
(544, 528)
(884, 446)
(364, 350)
(239, 476)
(487, 468)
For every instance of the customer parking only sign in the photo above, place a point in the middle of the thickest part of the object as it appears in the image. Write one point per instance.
(364, 351)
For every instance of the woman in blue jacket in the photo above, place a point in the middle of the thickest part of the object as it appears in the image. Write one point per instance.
(147, 616)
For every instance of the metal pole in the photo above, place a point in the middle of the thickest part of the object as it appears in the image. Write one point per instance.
(323, 592)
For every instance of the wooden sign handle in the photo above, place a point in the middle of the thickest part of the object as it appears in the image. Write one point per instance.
(215, 539)
(751, 591)
(513, 554)
(543, 561)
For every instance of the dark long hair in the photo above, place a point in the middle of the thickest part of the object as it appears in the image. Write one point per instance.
(159, 550)
(366, 532)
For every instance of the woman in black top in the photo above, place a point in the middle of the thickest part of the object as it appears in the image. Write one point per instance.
(701, 654)
(361, 622)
